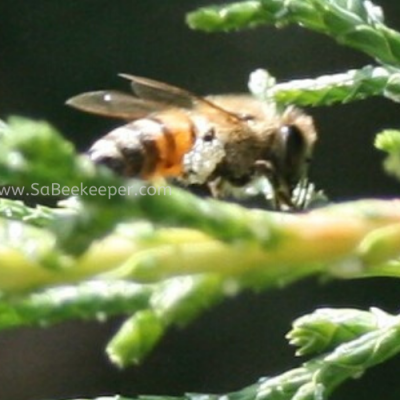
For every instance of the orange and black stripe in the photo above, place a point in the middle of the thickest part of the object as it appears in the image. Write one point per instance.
(165, 150)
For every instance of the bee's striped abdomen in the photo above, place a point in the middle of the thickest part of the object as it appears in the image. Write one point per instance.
(148, 147)
(166, 138)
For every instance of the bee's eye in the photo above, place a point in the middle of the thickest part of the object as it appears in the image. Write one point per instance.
(293, 140)
(294, 150)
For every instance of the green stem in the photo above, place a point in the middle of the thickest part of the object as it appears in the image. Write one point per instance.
(356, 23)
(338, 88)
(318, 378)
(88, 300)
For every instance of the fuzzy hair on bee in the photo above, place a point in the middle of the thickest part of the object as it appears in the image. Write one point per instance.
(219, 140)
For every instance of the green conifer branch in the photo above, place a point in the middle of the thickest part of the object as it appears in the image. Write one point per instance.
(358, 24)
(388, 141)
(344, 87)
(356, 341)
(173, 302)
(88, 300)
(208, 233)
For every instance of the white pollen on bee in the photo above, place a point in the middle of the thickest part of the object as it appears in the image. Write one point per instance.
(202, 160)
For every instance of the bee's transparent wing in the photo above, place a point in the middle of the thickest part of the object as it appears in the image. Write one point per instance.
(114, 104)
(172, 96)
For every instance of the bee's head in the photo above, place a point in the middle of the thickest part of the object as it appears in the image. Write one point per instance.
(295, 138)
(289, 156)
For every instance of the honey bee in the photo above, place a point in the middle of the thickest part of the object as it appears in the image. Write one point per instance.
(216, 140)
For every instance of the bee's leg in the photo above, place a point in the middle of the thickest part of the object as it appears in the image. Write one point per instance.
(303, 190)
(216, 188)
(282, 200)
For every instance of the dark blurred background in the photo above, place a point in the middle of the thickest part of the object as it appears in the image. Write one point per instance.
(51, 50)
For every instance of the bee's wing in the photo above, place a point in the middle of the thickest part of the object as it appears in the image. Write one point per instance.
(172, 96)
(115, 104)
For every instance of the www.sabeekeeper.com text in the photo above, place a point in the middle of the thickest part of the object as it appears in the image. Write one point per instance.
(56, 190)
